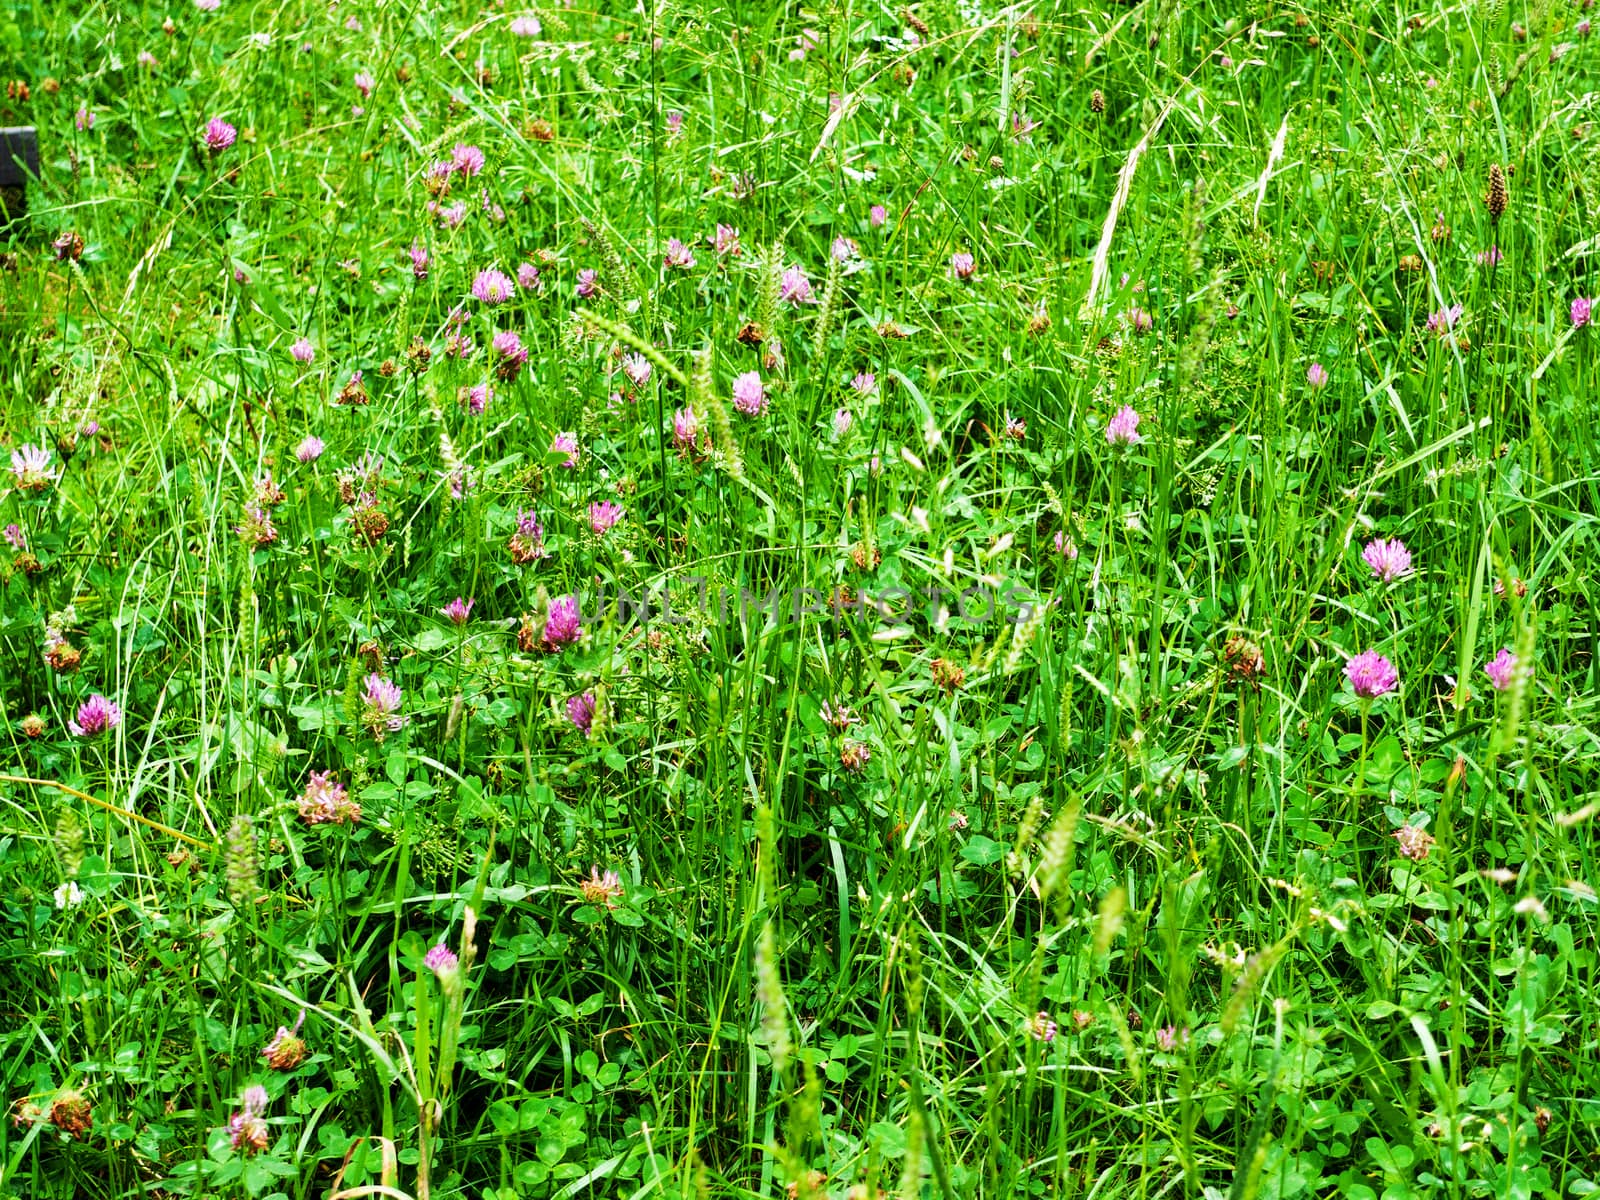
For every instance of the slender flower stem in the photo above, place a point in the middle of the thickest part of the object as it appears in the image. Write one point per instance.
(1359, 783)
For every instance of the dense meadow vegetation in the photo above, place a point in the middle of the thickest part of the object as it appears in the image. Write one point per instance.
(719, 599)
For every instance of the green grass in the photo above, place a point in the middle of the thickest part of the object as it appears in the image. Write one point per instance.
(832, 942)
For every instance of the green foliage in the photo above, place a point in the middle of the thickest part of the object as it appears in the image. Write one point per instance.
(1087, 872)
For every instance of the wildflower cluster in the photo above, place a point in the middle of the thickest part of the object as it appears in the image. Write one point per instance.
(326, 802)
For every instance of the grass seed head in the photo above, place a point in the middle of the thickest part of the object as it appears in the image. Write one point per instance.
(1496, 197)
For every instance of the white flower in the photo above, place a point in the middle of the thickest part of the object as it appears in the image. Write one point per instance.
(1529, 906)
(69, 894)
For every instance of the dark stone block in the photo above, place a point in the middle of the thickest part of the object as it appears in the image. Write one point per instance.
(19, 156)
